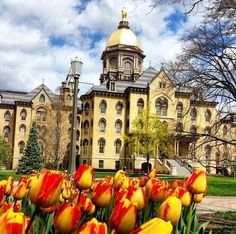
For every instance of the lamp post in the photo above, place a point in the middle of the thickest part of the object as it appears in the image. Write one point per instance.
(76, 66)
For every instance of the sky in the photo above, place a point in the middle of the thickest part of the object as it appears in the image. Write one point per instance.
(38, 39)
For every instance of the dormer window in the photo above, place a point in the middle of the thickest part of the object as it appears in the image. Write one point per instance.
(162, 85)
(113, 86)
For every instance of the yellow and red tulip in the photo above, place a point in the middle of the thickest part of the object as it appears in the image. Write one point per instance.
(46, 189)
(49, 210)
(137, 196)
(121, 181)
(197, 182)
(184, 195)
(155, 226)
(176, 183)
(198, 197)
(20, 191)
(12, 223)
(84, 177)
(134, 182)
(67, 218)
(123, 217)
(149, 185)
(102, 194)
(157, 193)
(93, 227)
(170, 210)
(121, 195)
(152, 173)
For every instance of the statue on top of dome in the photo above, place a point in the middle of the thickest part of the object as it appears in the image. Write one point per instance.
(124, 14)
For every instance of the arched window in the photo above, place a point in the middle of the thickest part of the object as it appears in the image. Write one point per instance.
(118, 126)
(41, 114)
(70, 118)
(77, 150)
(86, 109)
(42, 98)
(140, 105)
(225, 130)
(6, 131)
(193, 130)
(101, 143)
(103, 106)
(78, 119)
(86, 126)
(21, 146)
(77, 135)
(179, 128)
(179, 110)
(208, 152)
(102, 125)
(68, 97)
(69, 133)
(7, 116)
(85, 146)
(119, 108)
(118, 146)
(193, 113)
(23, 114)
(208, 115)
(161, 106)
(113, 63)
(127, 67)
(22, 129)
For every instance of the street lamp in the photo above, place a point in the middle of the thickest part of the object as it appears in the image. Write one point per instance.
(76, 66)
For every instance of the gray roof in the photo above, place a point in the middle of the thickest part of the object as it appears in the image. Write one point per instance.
(10, 97)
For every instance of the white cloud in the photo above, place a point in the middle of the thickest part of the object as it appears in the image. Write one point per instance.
(27, 55)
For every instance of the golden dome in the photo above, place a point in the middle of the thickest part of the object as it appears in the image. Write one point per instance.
(123, 35)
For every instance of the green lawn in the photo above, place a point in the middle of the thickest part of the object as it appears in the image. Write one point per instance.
(227, 214)
(4, 174)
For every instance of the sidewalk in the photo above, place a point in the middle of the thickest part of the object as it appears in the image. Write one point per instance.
(211, 204)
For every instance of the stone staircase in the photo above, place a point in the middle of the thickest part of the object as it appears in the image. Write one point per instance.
(177, 168)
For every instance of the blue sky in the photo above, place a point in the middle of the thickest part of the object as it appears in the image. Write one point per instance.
(39, 38)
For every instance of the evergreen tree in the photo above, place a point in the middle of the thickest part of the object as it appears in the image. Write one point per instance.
(32, 158)
(5, 153)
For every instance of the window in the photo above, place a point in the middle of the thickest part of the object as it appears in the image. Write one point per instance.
(103, 106)
(117, 165)
(101, 164)
(7, 116)
(102, 125)
(179, 128)
(208, 152)
(179, 110)
(77, 135)
(21, 147)
(162, 85)
(22, 129)
(161, 106)
(119, 108)
(127, 67)
(41, 114)
(113, 63)
(70, 118)
(86, 126)
(101, 144)
(193, 130)
(118, 146)
(23, 114)
(6, 131)
(85, 146)
(86, 109)
(207, 131)
(42, 98)
(140, 105)
(193, 113)
(113, 86)
(118, 126)
(208, 115)
(68, 97)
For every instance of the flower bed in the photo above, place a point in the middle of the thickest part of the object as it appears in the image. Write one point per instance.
(52, 202)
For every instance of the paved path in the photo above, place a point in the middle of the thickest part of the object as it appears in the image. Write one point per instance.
(211, 204)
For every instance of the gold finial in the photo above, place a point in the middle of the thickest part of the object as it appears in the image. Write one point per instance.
(124, 14)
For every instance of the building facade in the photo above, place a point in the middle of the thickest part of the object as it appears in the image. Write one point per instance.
(107, 111)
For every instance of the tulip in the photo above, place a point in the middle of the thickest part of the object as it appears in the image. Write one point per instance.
(109, 179)
(121, 195)
(198, 197)
(121, 181)
(20, 191)
(5, 207)
(93, 227)
(157, 193)
(197, 182)
(123, 217)
(66, 193)
(84, 177)
(67, 218)
(9, 185)
(46, 189)
(152, 173)
(155, 226)
(176, 183)
(170, 210)
(134, 182)
(138, 196)
(88, 206)
(184, 195)
(102, 195)
(12, 223)
(165, 183)
(2, 198)
(49, 210)
(17, 206)
(143, 181)
(149, 185)
(170, 193)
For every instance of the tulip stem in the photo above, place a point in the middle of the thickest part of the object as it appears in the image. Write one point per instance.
(31, 219)
(190, 218)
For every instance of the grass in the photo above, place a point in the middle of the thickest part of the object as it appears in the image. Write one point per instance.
(4, 174)
(227, 214)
